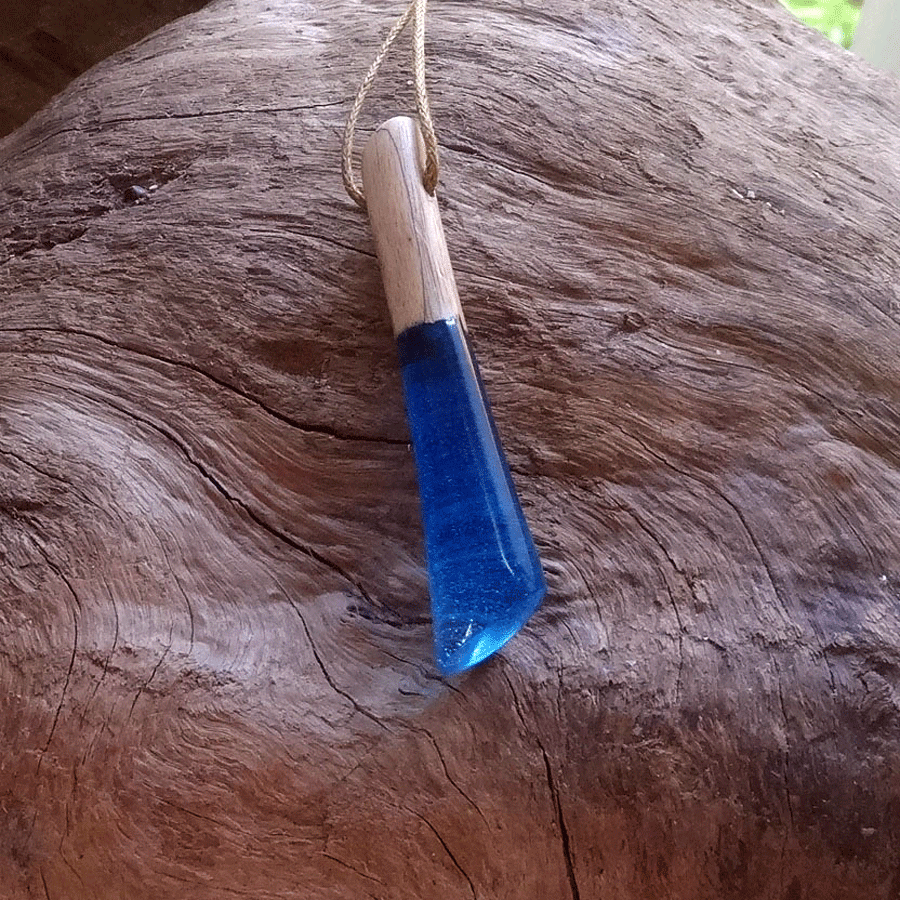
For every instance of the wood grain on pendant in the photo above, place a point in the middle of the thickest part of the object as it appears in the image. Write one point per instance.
(406, 221)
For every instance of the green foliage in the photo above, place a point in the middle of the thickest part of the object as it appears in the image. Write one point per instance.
(836, 19)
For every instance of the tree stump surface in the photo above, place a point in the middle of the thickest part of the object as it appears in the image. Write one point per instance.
(674, 232)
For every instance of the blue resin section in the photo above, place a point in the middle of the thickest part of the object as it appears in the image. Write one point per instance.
(483, 568)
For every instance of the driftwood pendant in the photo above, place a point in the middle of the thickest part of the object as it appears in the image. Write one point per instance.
(484, 574)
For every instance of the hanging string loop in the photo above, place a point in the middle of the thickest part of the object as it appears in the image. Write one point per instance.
(414, 13)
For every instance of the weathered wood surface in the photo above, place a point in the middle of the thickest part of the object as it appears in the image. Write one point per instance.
(44, 44)
(674, 231)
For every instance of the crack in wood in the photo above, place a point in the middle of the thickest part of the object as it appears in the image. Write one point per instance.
(331, 682)
(450, 855)
(75, 611)
(353, 869)
(447, 774)
(563, 829)
(152, 675)
(220, 382)
(236, 502)
(565, 840)
(106, 662)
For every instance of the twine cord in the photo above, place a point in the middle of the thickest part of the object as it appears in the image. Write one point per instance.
(415, 12)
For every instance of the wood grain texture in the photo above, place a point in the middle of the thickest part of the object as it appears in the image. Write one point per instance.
(406, 227)
(679, 267)
(44, 44)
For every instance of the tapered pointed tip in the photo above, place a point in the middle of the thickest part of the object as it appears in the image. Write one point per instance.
(460, 646)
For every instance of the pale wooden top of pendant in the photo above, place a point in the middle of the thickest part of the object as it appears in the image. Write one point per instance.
(406, 223)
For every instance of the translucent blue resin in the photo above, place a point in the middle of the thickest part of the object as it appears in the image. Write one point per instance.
(484, 573)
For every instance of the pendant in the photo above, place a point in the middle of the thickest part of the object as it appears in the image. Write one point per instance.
(485, 578)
